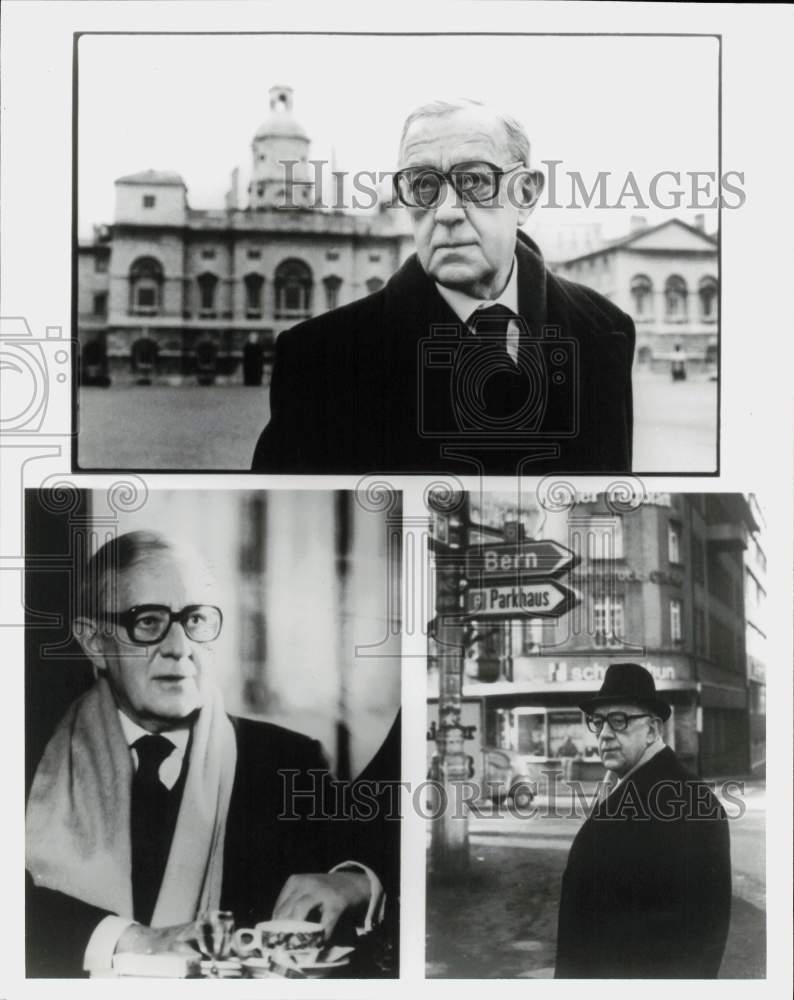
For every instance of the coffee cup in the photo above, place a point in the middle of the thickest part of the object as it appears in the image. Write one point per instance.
(301, 940)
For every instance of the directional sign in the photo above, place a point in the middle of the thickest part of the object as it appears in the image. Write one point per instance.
(548, 599)
(516, 563)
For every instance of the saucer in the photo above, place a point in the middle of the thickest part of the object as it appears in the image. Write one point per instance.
(277, 966)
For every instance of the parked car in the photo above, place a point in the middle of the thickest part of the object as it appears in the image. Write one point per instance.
(510, 776)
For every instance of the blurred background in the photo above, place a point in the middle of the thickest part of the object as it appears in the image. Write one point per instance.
(310, 596)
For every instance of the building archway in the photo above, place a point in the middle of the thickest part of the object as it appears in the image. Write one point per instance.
(675, 299)
(642, 296)
(708, 296)
(146, 279)
(293, 284)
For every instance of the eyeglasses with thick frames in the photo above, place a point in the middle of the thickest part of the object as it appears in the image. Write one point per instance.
(476, 181)
(147, 624)
(618, 721)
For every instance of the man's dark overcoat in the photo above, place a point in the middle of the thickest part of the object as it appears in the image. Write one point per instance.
(363, 388)
(647, 890)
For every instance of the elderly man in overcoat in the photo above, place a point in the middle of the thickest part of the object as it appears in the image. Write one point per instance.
(473, 357)
(646, 893)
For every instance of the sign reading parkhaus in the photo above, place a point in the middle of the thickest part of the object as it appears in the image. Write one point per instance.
(548, 599)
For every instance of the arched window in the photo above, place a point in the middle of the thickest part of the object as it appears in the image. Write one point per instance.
(207, 284)
(642, 295)
(675, 299)
(293, 283)
(146, 286)
(253, 295)
(374, 285)
(707, 293)
(332, 285)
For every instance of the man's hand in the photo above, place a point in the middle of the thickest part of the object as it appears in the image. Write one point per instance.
(157, 940)
(335, 894)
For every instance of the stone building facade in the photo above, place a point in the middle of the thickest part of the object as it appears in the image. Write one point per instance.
(666, 278)
(663, 585)
(168, 292)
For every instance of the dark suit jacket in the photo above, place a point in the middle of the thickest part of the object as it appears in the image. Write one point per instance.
(270, 835)
(647, 890)
(367, 388)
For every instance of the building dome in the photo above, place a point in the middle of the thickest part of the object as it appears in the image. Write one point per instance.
(280, 123)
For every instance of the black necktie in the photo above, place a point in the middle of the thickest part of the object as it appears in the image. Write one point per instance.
(492, 320)
(501, 384)
(149, 827)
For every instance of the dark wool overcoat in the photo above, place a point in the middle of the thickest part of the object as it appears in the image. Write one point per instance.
(646, 893)
(393, 383)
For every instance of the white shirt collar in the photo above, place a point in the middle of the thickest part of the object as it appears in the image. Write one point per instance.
(464, 305)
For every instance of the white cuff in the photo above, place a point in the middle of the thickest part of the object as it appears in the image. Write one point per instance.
(377, 897)
(98, 956)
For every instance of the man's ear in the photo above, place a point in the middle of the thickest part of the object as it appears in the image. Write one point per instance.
(86, 631)
(526, 191)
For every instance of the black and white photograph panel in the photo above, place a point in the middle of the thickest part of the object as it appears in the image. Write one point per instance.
(513, 271)
(212, 733)
(596, 739)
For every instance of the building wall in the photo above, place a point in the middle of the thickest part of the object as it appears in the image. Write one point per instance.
(169, 209)
(702, 675)
(673, 251)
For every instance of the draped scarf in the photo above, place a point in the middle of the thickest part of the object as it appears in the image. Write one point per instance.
(78, 814)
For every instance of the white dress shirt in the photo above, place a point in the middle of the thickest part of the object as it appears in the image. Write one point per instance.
(466, 306)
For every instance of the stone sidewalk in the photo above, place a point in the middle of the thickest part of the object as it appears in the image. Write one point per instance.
(500, 921)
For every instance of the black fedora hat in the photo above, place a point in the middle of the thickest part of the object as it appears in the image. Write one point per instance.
(631, 684)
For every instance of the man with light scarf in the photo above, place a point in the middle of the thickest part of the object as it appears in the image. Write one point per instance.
(99, 882)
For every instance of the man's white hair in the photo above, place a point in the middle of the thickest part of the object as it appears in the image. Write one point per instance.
(516, 139)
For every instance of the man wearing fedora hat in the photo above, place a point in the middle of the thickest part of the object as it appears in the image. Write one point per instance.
(646, 893)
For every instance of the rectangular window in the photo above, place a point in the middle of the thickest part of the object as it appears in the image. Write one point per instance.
(374, 257)
(676, 627)
(100, 303)
(101, 264)
(149, 201)
(673, 543)
(254, 254)
(332, 255)
(608, 621)
(208, 255)
(331, 296)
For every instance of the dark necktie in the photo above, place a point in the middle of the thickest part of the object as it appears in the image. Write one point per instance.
(149, 827)
(502, 385)
(492, 320)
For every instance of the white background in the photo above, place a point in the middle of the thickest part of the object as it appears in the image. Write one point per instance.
(756, 323)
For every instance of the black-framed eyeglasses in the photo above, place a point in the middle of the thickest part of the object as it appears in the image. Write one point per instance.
(476, 181)
(146, 624)
(618, 721)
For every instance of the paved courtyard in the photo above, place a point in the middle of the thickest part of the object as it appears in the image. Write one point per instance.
(206, 427)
